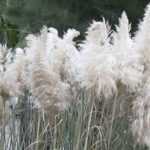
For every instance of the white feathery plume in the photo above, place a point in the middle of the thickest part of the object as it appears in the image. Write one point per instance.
(142, 38)
(64, 57)
(141, 106)
(47, 88)
(70, 35)
(54, 53)
(13, 76)
(52, 41)
(5, 90)
(122, 35)
(5, 62)
(98, 32)
(130, 70)
(97, 63)
(71, 54)
(63, 53)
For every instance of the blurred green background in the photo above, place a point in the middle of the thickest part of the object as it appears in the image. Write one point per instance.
(20, 17)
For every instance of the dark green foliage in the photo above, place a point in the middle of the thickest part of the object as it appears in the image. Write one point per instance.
(9, 33)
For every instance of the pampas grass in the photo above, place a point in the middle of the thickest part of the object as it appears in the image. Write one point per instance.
(57, 94)
(97, 63)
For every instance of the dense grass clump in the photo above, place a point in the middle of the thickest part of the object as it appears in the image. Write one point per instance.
(94, 95)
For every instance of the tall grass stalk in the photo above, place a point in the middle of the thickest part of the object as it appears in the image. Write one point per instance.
(75, 129)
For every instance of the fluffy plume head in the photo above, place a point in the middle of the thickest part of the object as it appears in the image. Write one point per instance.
(62, 53)
(10, 72)
(98, 32)
(48, 90)
(14, 76)
(97, 63)
(141, 106)
(46, 86)
(53, 31)
(70, 35)
(128, 59)
(97, 35)
(122, 37)
(142, 38)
